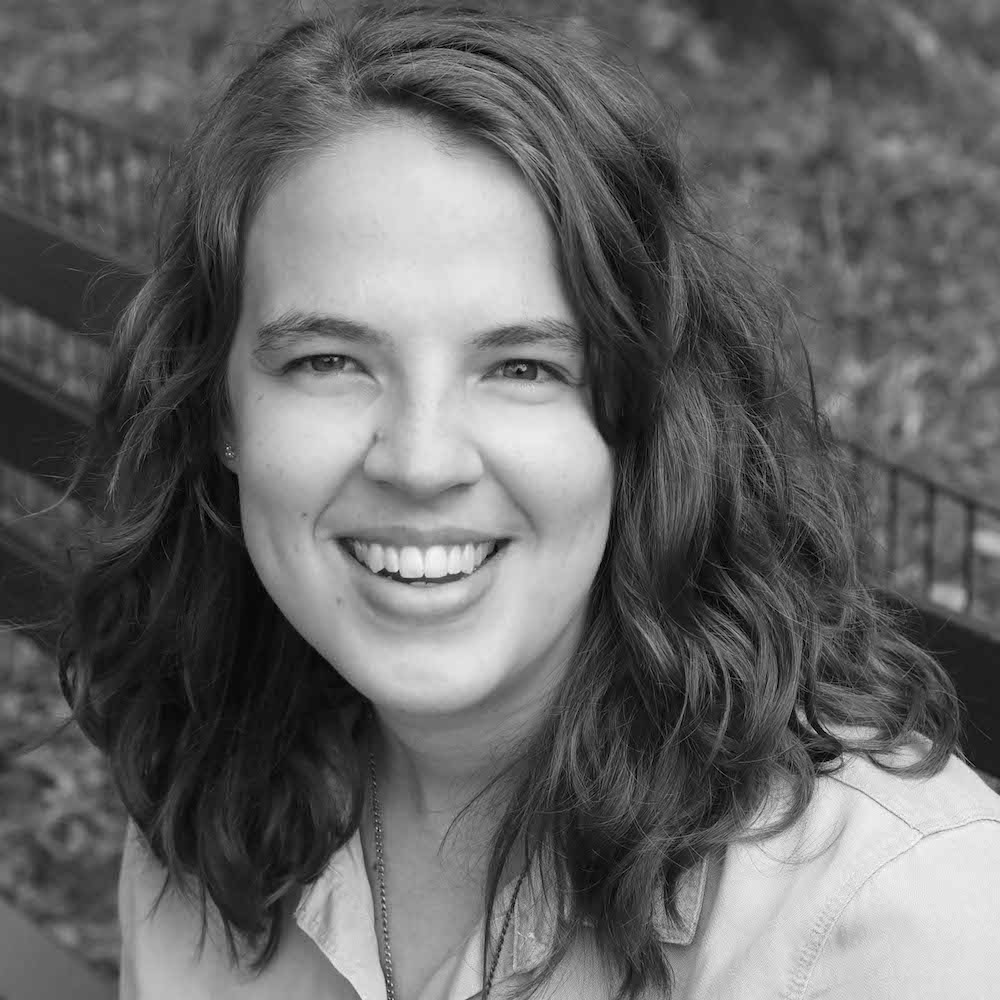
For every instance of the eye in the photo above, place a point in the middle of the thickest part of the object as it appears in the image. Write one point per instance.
(526, 370)
(320, 364)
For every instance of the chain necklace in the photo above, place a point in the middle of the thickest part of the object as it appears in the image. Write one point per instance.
(380, 864)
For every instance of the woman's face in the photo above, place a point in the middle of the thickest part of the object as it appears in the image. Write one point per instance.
(415, 404)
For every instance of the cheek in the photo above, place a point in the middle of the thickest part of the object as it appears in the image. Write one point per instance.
(566, 483)
(273, 476)
(585, 509)
(289, 459)
(283, 490)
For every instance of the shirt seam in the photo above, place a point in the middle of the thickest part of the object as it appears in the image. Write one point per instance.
(813, 951)
(979, 813)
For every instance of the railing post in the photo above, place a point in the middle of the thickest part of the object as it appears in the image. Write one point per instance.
(930, 496)
(969, 555)
(892, 529)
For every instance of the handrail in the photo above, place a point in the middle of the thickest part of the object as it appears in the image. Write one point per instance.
(921, 477)
(36, 256)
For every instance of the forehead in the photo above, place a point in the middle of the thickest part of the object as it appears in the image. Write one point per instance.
(391, 217)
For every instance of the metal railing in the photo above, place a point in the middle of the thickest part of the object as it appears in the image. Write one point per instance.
(931, 539)
(85, 176)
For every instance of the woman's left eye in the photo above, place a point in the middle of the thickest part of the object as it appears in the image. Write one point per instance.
(526, 370)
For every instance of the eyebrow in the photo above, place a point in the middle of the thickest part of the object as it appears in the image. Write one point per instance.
(295, 325)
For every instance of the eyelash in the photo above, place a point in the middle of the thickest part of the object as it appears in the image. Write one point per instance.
(550, 369)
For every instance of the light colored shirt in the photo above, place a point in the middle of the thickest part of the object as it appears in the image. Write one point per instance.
(888, 888)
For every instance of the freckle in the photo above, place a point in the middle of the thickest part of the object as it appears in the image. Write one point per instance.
(304, 514)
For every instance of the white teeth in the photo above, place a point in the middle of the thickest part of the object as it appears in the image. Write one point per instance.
(391, 559)
(435, 562)
(432, 563)
(376, 557)
(411, 563)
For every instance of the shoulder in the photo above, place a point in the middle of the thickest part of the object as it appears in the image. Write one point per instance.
(906, 880)
(160, 943)
(161, 957)
(886, 887)
(862, 815)
(953, 797)
(918, 911)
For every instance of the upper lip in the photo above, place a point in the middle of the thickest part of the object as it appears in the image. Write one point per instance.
(399, 536)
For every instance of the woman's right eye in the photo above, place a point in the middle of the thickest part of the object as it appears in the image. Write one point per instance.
(320, 364)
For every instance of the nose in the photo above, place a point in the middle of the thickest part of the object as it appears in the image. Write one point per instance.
(423, 447)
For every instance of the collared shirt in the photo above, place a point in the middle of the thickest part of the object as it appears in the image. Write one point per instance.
(886, 888)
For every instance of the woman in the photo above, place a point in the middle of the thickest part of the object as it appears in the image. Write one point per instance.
(469, 549)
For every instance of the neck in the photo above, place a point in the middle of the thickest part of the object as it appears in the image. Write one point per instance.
(429, 770)
(427, 773)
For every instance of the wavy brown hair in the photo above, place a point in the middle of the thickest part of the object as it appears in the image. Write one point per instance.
(731, 629)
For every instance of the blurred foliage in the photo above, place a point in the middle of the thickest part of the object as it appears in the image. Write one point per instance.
(853, 145)
(61, 821)
(892, 40)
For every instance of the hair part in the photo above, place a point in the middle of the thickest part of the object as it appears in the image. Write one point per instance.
(731, 632)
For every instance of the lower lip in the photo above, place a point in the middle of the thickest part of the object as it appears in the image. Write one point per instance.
(435, 602)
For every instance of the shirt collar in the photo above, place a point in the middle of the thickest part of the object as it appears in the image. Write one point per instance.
(534, 921)
(338, 913)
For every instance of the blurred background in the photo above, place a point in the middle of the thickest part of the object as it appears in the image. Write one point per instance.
(854, 146)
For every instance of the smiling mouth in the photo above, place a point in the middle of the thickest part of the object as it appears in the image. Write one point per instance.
(421, 581)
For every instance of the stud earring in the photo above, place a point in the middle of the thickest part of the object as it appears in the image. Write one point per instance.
(229, 452)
